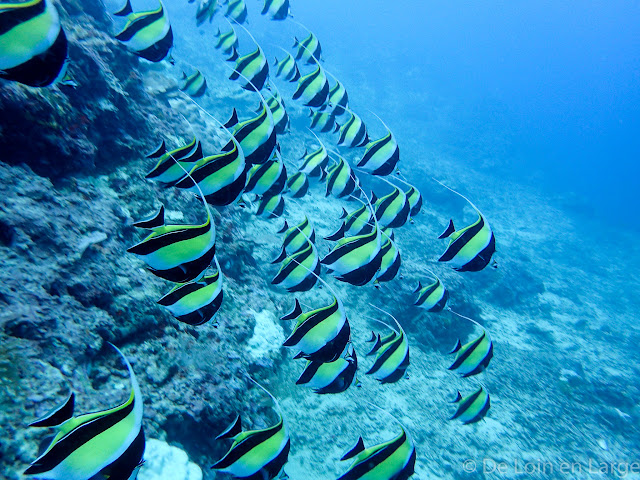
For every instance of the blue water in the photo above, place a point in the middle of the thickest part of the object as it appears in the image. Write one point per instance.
(549, 91)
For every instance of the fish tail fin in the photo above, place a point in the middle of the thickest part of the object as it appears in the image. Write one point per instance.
(284, 228)
(344, 213)
(337, 235)
(280, 257)
(373, 337)
(418, 288)
(354, 450)
(158, 151)
(456, 347)
(294, 313)
(58, 415)
(233, 120)
(449, 230)
(457, 397)
(124, 11)
(234, 55)
(156, 220)
(232, 430)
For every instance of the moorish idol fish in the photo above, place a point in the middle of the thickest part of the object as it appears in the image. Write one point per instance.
(391, 460)
(33, 45)
(379, 341)
(393, 209)
(313, 88)
(355, 223)
(256, 454)
(470, 248)
(380, 156)
(323, 120)
(414, 197)
(196, 302)
(146, 34)
(237, 11)
(322, 334)
(391, 261)
(473, 357)
(257, 136)
(287, 68)
(357, 259)
(227, 42)
(295, 238)
(314, 163)
(194, 85)
(206, 10)
(104, 444)
(270, 206)
(338, 99)
(299, 271)
(433, 297)
(331, 377)
(253, 67)
(353, 133)
(472, 408)
(277, 9)
(170, 165)
(179, 253)
(297, 185)
(392, 358)
(220, 177)
(267, 178)
(341, 180)
(279, 112)
(309, 48)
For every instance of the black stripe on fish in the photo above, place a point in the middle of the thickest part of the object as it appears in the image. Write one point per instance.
(313, 321)
(18, 13)
(459, 243)
(158, 151)
(295, 312)
(470, 351)
(257, 438)
(124, 466)
(354, 450)
(332, 349)
(232, 430)
(448, 231)
(139, 24)
(124, 11)
(156, 243)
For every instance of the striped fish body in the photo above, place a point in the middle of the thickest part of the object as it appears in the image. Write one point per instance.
(194, 85)
(297, 271)
(254, 67)
(381, 156)
(391, 460)
(338, 98)
(355, 260)
(322, 120)
(299, 236)
(148, 34)
(178, 253)
(330, 377)
(267, 178)
(227, 41)
(391, 261)
(105, 443)
(33, 45)
(276, 9)
(237, 10)
(257, 138)
(472, 408)
(433, 298)
(279, 112)
(392, 210)
(257, 454)
(270, 206)
(287, 68)
(341, 181)
(308, 49)
(221, 177)
(381, 342)
(166, 170)
(315, 162)
(313, 89)
(471, 248)
(415, 201)
(322, 334)
(353, 133)
(195, 302)
(297, 185)
(392, 360)
(473, 357)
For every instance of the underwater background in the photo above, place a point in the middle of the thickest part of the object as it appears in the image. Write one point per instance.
(530, 110)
